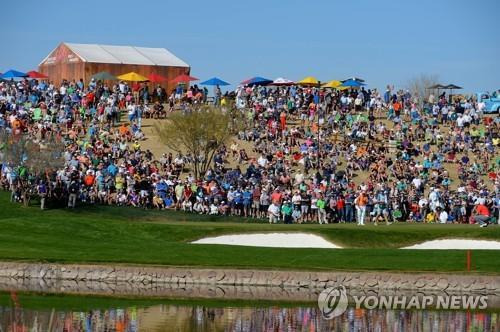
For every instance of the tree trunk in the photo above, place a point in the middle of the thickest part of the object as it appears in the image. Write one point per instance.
(26, 198)
(195, 162)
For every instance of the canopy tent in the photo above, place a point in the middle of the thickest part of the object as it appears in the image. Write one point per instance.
(132, 76)
(104, 76)
(156, 78)
(352, 84)
(332, 84)
(282, 81)
(257, 81)
(451, 87)
(35, 74)
(436, 86)
(215, 81)
(310, 80)
(183, 79)
(13, 74)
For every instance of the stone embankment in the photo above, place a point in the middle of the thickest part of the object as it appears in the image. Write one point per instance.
(229, 283)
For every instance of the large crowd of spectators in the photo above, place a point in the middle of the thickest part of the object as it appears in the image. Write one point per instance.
(316, 155)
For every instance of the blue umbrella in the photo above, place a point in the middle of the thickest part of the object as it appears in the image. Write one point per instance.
(13, 73)
(215, 81)
(352, 84)
(354, 79)
(257, 81)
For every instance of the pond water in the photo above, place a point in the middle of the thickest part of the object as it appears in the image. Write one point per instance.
(40, 315)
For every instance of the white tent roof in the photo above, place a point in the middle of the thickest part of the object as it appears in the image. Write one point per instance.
(125, 55)
(283, 81)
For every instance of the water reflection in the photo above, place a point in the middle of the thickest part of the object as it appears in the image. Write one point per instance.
(199, 318)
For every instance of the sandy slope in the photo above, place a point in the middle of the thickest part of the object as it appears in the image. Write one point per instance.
(280, 240)
(457, 244)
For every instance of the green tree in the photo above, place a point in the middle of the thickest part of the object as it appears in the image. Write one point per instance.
(200, 132)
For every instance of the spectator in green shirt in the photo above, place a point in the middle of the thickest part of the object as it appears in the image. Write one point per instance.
(286, 211)
(320, 203)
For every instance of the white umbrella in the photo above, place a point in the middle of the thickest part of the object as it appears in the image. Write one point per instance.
(282, 81)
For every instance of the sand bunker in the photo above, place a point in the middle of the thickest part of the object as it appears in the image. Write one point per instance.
(457, 244)
(280, 240)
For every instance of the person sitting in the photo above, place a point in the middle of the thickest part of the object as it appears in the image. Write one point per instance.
(430, 217)
(158, 111)
(158, 202)
(481, 214)
(198, 206)
(125, 132)
(187, 205)
(214, 210)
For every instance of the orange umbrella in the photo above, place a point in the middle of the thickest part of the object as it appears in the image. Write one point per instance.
(156, 78)
(183, 79)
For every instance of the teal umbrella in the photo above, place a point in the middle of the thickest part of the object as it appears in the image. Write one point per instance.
(104, 76)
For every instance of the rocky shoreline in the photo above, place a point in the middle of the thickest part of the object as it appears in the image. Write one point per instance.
(151, 281)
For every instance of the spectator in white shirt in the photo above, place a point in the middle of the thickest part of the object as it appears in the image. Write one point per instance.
(274, 213)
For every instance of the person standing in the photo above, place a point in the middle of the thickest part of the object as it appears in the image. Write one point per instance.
(256, 193)
(340, 208)
(179, 193)
(360, 203)
(73, 192)
(305, 203)
(274, 213)
(264, 203)
(286, 211)
(42, 192)
(247, 202)
(218, 95)
(321, 204)
(136, 87)
(381, 207)
(349, 207)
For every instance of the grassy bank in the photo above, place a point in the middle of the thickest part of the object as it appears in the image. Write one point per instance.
(41, 301)
(125, 235)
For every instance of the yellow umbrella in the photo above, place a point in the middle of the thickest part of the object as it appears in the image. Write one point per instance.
(332, 84)
(132, 77)
(308, 81)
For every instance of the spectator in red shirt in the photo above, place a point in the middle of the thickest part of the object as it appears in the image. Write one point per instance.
(136, 87)
(481, 214)
(340, 209)
(276, 197)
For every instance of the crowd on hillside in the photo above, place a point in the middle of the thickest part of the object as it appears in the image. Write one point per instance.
(317, 155)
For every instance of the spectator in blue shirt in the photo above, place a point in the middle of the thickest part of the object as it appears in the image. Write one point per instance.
(247, 201)
(112, 169)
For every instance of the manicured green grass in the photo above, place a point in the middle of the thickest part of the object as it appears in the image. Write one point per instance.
(135, 236)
